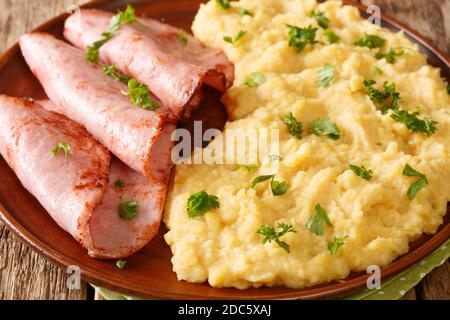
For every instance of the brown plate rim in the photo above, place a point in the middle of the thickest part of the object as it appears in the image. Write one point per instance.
(331, 290)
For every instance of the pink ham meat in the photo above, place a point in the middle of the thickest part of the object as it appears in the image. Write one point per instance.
(138, 137)
(75, 190)
(152, 53)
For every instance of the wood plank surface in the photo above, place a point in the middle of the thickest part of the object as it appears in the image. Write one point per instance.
(26, 275)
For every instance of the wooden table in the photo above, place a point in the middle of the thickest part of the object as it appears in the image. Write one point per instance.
(26, 275)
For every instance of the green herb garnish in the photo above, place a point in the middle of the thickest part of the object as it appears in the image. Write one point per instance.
(377, 70)
(325, 76)
(244, 12)
(318, 220)
(255, 79)
(387, 97)
(232, 40)
(321, 19)
(416, 186)
(224, 4)
(110, 71)
(270, 234)
(278, 188)
(182, 37)
(128, 210)
(336, 244)
(413, 123)
(140, 95)
(300, 37)
(361, 172)
(391, 55)
(248, 168)
(201, 202)
(121, 263)
(324, 126)
(119, 183)
(122, 17)
(370, 41)
(295, 127)
(64, 147)
(331, 36)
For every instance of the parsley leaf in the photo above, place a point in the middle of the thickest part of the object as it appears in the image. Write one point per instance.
(244, 12)
(300, 37)
(255, 79)
(321, 19)
(275, 157)
(331, 36)
(224, 4)
(416, 186)
(325, 76)
(239, 36)
(182, 37)
(119, 183)
(201, 202)
(370, 41)
(324, 126)
(295, 127)
(377, 70)
(336, 244)
(413, 123)
(110, 71)
(122, 17)
(278, 188)
(361, 172)
(318, 220)
(140, 95)
(270, 234)
(64, 147)
(121, 263)
(391, 55)
(128, 210)
(387, 98)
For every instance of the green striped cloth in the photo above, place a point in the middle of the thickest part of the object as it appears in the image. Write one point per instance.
(391, 289)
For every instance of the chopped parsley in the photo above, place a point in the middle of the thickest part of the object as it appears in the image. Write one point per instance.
(140, 95)
(110, 71)
(119, 183)
(300, 37)
(336, 244)
(121, 263)
(370, 41)
(413, 123)
(122, 17)
(224, 4)
(331, 36)
(325, 76)
(182, 37)
(295, 127)
(321, 19)
(64, 147)
(324, 126)
(275, 157)
(361, 172)
(128, 210)
(278, 188)
(255, 79)
(416, 186)
(201, 202)
(318, 220)
(387, 97)
(270, 234)
(391, 55)
(377, 70)
(238, 37)
(244, 12)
